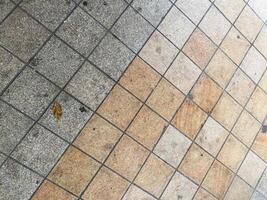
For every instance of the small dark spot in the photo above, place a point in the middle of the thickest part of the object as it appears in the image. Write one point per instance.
(238, 37)
(35, 61)
(264, 129)
(201, 154)
(85, 3)
(82, 109)
(45, 95)
(37, 182)
(139, 9)
(105, 3)
(158, 50)
(94, 129)
(35, 134)
(190, 96)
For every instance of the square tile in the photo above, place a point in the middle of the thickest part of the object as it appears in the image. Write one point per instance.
(140, 79)
(81, 31)
(199, 48)
(176, 27)
(260, 7)
(154, 175)
(183, 73)
(90, 85)
(189, 118)
(147, 127)
(262, 185)
(132, 29)
(215, 25)
(221, 68)
(172, 146)
(30, 93)
(259, 146)
(115, 110)
(112, 56)
(79, 172)
(158, 52)
(106, 186)
(127, 158)
(180, 187)
(212, 136)
(240, 87)
(196, 163)
(6, 8)
(153, 10)
(15, 34)
(206, 85)
(226, 111)
(260, 41)
(135, 193)
(263, 82)
(57, 61)
(257, 196)
(203, 195)
(251, 169)
(218, 180)
(165, 99)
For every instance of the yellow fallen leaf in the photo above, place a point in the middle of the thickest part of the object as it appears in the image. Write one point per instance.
(57, 110)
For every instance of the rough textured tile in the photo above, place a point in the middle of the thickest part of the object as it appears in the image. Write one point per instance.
(140, 79)
(172, 146)
(203, 195)
(165, 99)
(115, 110)
(147, 127)
(132, 29)
(2, 158)
(212, 136)
(154, 175)
(260, 145)
(79, 172)
(176, 27)
(17, 182)
(158, 52)
(199, 48)
(112, 56)
(180, 187)
(135, 193)
(30, 93)
(263, 82)
(189, 118)
(257, 196)
(80, 24)
(260, 7)
(6, 7)
(127, 157)
(90, 85)
(15, 34)
(262, 185)
(183, 73)
(260, 41)
(106, 186)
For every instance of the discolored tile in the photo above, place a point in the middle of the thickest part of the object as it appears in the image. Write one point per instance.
(6, 8)
(260, 7)
(259, 42)
(203, 195)
(135, 193)
(263, 82)
(262, 186)
(260, 145)
(257, 196)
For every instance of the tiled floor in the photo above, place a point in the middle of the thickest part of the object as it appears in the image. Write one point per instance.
(133, 99)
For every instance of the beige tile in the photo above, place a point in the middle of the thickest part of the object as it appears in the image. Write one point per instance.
(260, 145)
(106, 186)
(147, 127)
(203, 195)
(218, 180)
(135, 193)
(165, 99)
(189, 118)
(97, 138)
(199, 48)
(260, 42)
(115, 111)
(196, 163)
(227, 111)
(127, 157)
(211, 90)
(140, 79)
(75, 166)
(158, 52)
(263, 82)
(154, 175)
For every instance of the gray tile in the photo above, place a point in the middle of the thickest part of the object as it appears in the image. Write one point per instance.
(90, 86)
(152, 10)
(57, 61)
(81, 31)
(132, 29)
(9, 67)
(2, 158)
(49, 13)
(112, 56)
(30, 93)
(6, 7)
(13, 126)
(17, 182)
(105, 11)
(74, 116)
(22, 35)
(40, 150)
(262, 186)
(258, 196)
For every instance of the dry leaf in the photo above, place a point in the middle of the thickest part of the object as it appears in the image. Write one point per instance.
(57, 110)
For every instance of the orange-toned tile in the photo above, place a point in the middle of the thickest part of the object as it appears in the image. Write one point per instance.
(106, 186)
(98, 137)
(140, 79)
(206, 93)
(196, 163)
(263, 82)
(203, 195)
(119, 107)
(147, 127)
(74, 170)
(127, 157)
(260, 145)
(154, 175)
(189, 118)
(199, 48)
(165, 99)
